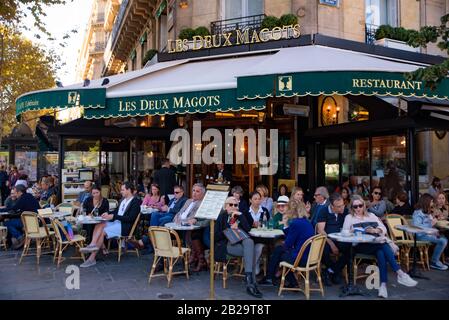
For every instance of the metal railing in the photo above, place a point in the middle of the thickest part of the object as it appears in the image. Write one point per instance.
(229, 25)
(370, 33)
(118, 21)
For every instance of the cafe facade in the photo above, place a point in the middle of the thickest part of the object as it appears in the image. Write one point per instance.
(342, 110)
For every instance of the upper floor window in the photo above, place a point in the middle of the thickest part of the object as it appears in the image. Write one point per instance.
(242, 8)
(380, 12)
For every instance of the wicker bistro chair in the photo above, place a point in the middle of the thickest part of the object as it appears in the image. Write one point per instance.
(169, 250)
(405, 242)
(33, 231)
(358, 259)
(3, 236)
(63, 242)
(316, 244)
(123, 240)
(222, 268)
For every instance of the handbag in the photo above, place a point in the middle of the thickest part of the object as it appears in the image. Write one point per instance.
(235, 235)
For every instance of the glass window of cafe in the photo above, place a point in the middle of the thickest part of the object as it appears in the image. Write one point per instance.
(368, 162)
(433, 155)
(81, 154)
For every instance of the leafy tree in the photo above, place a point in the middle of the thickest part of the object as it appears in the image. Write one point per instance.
(28, 68)
(431, 75)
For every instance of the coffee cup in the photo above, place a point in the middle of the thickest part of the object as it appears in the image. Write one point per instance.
(346, 232)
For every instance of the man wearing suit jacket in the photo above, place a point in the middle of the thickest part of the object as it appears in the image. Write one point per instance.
(120, 223)
(169, 211)
(190, 207)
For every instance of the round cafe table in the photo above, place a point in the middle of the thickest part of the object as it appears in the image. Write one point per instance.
(89, 220)
(351, 289)
(180, 227)
(414, 272)
(265, 233)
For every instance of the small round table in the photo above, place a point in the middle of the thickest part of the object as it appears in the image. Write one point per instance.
(180, 227)
(414, 272)
(352, 289)
(89, 220)
(266, 234)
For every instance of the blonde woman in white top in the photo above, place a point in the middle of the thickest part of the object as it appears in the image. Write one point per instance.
(361, 218)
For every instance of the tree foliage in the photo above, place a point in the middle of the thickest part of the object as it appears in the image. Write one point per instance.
(14, 11)
(431, 75)
(27, 68)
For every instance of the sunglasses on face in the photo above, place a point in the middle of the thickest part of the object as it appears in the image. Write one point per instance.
(377, 193)
(355, 206)
(233, 204)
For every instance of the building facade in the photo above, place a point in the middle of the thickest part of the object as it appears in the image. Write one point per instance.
(134, 30)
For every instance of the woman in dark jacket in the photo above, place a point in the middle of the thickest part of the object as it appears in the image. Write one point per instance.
(230, 217)
(95, 205)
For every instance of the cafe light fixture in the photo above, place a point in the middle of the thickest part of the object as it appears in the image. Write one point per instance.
(183, 4)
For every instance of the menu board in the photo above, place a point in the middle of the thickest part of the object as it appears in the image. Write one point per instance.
(212, 205)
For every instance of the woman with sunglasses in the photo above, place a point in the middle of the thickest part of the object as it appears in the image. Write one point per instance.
(281, 209)
(230, 217)
(361, 218)
(377, 205)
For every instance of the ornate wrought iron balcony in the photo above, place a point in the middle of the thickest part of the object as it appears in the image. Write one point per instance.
(370, 32)
(228, 25)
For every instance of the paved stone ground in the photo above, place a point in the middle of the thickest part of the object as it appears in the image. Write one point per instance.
(128, 280)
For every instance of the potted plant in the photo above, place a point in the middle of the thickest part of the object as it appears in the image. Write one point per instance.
(148, 56)
(396, 38)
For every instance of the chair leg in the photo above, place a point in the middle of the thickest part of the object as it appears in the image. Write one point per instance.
(38, 250)
(153, 267)
(225, 274)
(119, 249)
(307, 285)
(320, 283)
(186, 264)
(281, 286)
(170, 272)
(60, 255)
(25, 249)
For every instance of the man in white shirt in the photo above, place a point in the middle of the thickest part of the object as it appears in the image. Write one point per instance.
(187, 212)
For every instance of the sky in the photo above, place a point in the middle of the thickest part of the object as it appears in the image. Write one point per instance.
(61, 19)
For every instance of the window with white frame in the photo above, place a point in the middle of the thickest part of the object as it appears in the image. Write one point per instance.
(242, 8)
(380, 12)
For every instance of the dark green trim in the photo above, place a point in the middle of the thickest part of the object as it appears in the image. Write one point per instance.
(336, 83)
(177, 103)
(61, 99)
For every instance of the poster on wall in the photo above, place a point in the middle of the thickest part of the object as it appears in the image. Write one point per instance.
(26, 162)
(4, 158)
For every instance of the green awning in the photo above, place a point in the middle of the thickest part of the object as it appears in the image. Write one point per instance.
(176, 103)
(336, 83)
(61, 99)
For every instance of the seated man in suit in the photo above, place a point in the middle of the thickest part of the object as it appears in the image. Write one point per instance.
(168, 212)
(120, 224)
(187, 215)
